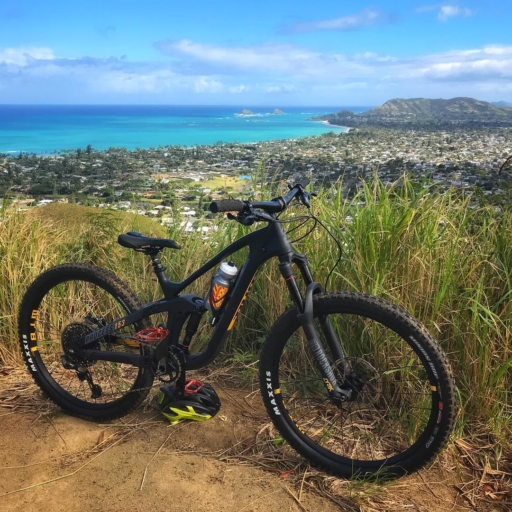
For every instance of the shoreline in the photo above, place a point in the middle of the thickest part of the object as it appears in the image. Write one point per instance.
(60, 153)
(345, 128)
(45, 130)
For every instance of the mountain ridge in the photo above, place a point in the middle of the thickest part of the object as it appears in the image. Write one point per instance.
(439, 107)
(424, 112)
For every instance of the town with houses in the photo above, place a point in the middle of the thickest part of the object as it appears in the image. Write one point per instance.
(177, 183)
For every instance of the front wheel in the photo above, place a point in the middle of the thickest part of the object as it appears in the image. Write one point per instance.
(64, 304)
(402, 407)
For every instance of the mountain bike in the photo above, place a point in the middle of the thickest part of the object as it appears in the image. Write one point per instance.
(353, 383)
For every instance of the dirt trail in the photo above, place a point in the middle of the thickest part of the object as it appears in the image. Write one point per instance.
(142, 463)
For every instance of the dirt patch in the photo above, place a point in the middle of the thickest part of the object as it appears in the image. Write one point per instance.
(52, 461)
(140, 463)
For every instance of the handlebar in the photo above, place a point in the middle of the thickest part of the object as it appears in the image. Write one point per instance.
(226, 205)
(275, 206)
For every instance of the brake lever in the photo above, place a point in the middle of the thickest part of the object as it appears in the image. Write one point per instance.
(243, 218)
(305, 198)
(264, 216)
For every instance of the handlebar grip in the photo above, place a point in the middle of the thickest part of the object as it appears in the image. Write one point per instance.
(226, 205)
(304, 183)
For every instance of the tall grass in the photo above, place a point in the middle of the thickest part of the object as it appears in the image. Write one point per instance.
(442, 258)
(447, 262)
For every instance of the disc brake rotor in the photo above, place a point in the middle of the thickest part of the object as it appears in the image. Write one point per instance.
(360, 376)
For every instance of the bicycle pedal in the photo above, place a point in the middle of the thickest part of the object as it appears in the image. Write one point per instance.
(151, 334)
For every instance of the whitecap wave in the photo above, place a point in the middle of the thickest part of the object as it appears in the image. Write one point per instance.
(255, 115)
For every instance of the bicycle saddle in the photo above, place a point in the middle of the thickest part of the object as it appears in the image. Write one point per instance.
(134, 240)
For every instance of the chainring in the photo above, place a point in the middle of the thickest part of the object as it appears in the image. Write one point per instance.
(173, 369)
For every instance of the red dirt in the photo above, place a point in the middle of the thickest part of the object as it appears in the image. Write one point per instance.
(143, 463)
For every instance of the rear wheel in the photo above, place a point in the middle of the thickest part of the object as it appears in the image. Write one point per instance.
(402, 408)
(61, 306)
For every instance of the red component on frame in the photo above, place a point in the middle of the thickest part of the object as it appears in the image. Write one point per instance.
(152, 334)
(193, 386)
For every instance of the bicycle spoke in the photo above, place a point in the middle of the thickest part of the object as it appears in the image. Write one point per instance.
(393, 399)
(73, 302)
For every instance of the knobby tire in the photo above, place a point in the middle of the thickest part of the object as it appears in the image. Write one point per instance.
(72, 300)
(405, 407)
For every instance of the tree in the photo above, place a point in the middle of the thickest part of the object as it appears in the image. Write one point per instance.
(45, 188)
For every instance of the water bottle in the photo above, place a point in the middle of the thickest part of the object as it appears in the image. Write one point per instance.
(219, 288)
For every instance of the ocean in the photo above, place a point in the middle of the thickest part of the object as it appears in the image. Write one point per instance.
(44, 129)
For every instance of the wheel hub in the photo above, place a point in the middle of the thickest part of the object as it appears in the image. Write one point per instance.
(359, 376)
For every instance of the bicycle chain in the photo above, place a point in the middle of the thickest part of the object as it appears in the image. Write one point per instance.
(149, 346)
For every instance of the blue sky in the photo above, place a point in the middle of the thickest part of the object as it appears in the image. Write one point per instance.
(253, 53)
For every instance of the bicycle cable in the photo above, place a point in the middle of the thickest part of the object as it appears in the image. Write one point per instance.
(305, 219)
(340, 250)
(318, 221)
(306, 234)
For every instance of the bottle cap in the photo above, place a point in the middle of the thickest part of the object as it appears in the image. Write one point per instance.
(228, 269)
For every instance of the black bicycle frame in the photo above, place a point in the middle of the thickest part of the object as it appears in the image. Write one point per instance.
(263, 244)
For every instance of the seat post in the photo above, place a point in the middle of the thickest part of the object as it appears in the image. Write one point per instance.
(157, 266)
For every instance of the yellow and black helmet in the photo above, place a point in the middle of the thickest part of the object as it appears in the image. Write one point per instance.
(198, 402)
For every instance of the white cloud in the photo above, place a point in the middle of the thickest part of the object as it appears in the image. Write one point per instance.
(238, 89)
(22, 55)
(270, 56)
(487, 64)
(278, 61)
(365, 18)
(203, 84)
(132, 82)
(269, 59)
(452, 11)
(446, 11)
(207, 71)
(281, 88)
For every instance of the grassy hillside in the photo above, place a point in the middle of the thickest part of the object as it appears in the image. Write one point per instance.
(454, 107)
(422, 113)
(448, 263)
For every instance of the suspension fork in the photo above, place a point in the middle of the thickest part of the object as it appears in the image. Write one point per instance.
(327, 328)
(305, 306)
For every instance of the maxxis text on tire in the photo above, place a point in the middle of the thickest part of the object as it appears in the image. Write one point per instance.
(406, 403)
(73, 298)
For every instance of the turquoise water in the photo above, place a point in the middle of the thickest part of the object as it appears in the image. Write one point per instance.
(47, 128)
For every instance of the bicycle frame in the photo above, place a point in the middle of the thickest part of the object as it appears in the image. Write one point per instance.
(264, 244)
